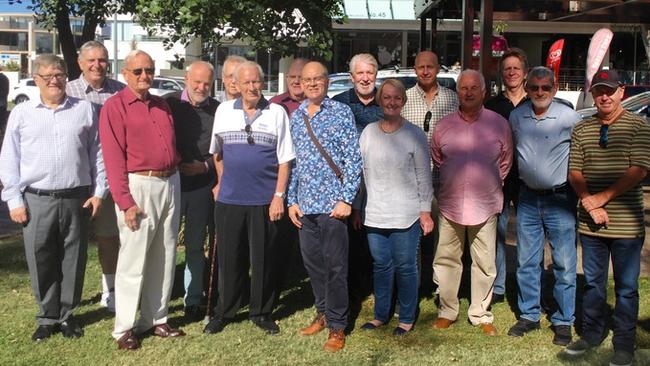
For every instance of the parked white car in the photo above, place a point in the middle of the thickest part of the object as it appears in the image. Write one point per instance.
(162, 86)
(25, 90)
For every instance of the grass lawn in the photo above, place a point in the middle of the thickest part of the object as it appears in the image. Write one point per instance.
(242, 343)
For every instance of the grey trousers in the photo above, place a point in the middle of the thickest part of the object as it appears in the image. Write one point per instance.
(56, 242)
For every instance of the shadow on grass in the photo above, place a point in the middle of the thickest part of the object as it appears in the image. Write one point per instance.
(12, 259)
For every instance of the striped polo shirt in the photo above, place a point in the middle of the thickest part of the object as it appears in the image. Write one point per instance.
(628, 144)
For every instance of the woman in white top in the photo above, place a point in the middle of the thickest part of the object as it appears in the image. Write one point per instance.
(397, 176)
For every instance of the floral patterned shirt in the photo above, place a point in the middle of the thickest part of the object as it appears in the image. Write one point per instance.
(313, 184)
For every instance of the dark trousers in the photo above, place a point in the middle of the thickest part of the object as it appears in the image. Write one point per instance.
(56, 242)
(324, 247)
(245, 236)
(626, 264)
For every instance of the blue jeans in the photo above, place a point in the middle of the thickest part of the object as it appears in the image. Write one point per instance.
(554, 216)
(502, 230)
(394, 251)
(626, 261)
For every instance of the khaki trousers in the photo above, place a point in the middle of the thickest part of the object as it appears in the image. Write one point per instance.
(147, 257)
(448, 267)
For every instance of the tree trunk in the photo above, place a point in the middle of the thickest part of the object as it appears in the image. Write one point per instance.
(66, 38)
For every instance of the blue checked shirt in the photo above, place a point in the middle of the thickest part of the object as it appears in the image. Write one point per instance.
(51, 149)
(313, 184)
(81, 89)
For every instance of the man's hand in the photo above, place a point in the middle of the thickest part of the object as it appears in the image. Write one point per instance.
(594, 201)
(426, 223)
(600, 217)
(295, 214)
(276, 209)
(341, 211)
(132, 217)
(94, 203)
(215, 191)
(193, 168)
(19, 215)
(356, 219)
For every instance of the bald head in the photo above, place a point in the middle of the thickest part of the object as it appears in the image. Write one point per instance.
(314, 81)
(426, 69)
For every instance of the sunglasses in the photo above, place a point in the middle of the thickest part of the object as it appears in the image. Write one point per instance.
(534, 88)
(427, 119)
(146, 70)
(249, 132)
(603, 136)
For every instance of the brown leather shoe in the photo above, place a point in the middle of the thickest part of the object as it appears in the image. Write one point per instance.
(128, 341)
(165, 331)
(442, 323)
(319, 323)
(488, 329)
(335, 341)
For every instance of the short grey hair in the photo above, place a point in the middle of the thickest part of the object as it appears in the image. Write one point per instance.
(234, 59)
(91, 45)
(365, 58)
(49, 60)
(246, 64)
(203, 63)
(466, 72)
(541, 72)
(133, 54)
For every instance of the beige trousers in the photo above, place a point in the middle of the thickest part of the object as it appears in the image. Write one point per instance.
(147, 257)
(448, 267)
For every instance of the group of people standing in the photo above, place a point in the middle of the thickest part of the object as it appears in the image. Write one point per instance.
(425, 171)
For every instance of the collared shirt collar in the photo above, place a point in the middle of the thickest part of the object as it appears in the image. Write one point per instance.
(261, 104)
(88, 88)
(64, 104)
(324, 104)
(130, 97)
(354, 98)
(478, 115)
(549, 114)
(185, 97)
(423, 94)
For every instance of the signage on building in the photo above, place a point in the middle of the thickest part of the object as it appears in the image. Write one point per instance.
(6, 58)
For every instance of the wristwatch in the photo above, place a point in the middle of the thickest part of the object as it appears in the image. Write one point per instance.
(279, 194)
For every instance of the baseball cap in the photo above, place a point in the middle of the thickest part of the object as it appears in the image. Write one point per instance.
(606, 77)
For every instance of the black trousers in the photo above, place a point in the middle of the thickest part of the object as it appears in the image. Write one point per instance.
(245, 239)
(324, 247)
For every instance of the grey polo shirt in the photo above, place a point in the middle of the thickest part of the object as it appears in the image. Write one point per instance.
(542, 144)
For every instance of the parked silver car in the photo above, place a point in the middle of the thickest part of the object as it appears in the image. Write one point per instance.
(161, 86)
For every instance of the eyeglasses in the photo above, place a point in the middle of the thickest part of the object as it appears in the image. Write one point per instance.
(534, 88)
(603, 136)
(47, 78)
(316, 80)
(255, 83)
(293, 77)
(249, 132)
(146, 70)
(427, 119)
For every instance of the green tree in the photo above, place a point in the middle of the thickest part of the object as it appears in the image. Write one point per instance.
(264, 24)
(55, 14)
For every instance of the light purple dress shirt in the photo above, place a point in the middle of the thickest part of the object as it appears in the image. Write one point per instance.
(474, 158)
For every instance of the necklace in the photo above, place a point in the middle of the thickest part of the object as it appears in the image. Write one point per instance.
(383, 122)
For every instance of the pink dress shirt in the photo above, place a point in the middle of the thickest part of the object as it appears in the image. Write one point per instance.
(474, 158)
(135, 135)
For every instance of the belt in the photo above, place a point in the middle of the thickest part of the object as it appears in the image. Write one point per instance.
(157, 173)
(60, 193)
(557, 189)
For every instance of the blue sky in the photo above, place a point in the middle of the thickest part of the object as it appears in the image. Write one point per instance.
(14, 8)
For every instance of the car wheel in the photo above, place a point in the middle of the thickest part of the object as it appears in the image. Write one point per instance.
(21, 98)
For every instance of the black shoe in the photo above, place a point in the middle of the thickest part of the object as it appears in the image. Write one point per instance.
(370, 326)
(497, 298)
(562, 335)
(71, 329)
(43, 332)
(622, 358)
(578, 347)
(399, 331)
(194, 313)
(215, 325)
(522, 327)
(266, 325)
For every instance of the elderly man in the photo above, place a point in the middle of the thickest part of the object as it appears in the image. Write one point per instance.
(361, 98)
(230, 90)
(294, 95)
(324, 181)
(514, 67)
(541, 130)
(252, 147)
(137, 134)
(94, 86)
(609, 159)
(50, 165)
(473, 150)
(426, 103)
(193, 111)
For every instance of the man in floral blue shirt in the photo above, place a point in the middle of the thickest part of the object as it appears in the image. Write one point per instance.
(319, 202)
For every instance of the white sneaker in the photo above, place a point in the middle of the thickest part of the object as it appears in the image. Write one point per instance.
(108, 301)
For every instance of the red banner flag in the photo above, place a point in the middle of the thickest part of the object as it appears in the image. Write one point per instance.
(555, 58)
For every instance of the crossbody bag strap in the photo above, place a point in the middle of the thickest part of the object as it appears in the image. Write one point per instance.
(321, 150)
